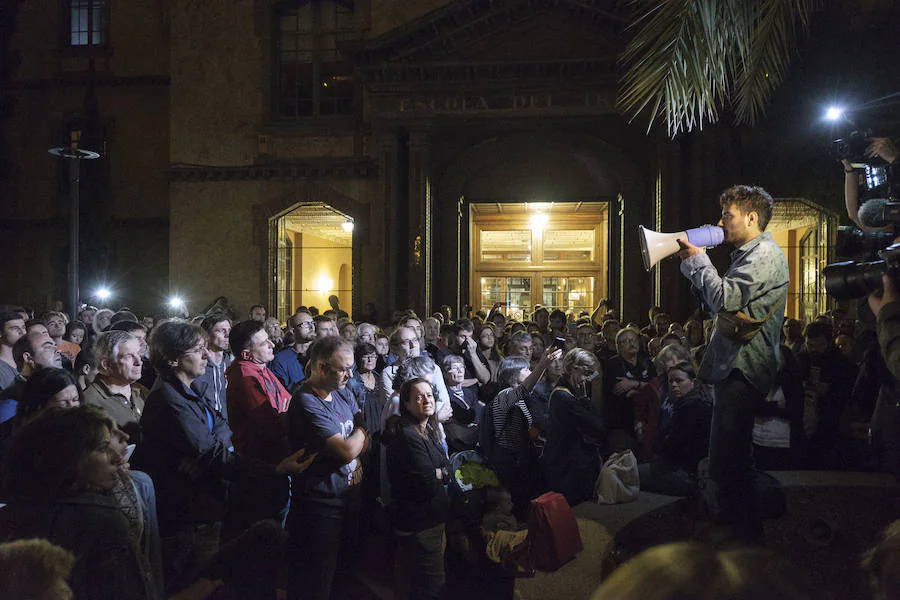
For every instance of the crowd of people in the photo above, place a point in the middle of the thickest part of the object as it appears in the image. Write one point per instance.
(171, 458)
(142, 446)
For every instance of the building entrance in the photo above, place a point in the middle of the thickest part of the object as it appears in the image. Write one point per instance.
(548, 253)
(311, 246)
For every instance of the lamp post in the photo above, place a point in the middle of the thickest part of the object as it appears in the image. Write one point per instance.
(73, 155)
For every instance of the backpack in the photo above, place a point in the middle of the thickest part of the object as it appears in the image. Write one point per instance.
(553, 534)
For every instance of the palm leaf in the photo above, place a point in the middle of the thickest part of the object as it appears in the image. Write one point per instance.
(689, 58)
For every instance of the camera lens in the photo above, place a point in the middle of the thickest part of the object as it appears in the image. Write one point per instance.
(848, 280)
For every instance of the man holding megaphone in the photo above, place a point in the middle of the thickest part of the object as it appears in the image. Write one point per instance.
(741, 358)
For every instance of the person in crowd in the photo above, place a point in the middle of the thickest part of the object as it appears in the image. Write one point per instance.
(680, 570)
(828, 377)
(148, 374)
(683, 438)
(507, 421)
(325, 326)
(414, 323)
(86, 316)
(541, 319)
(365, 333)
(72, 340)
(101, 321)
(364, 385)
(431, 328)
(693, 333)
(325, 419)
(447, 312)
(383, 348)
(273, 330)
(607, 347)
(187, 450)
(348, 331)
(33, 352)
(405, 345)
(779, 441)
(149, 322)
(539, 400)
(62, 469)
(50, 387)
(256, 405)
(463, 345)
(12, 327)
(289, 363)
(649, 400)
(461, 429)
(258, 313)
(487, 344)
(118, 358)
(35, 569)
(217, 327)
(756, 283)
(56, 325)
(538, 346)
(335, 303)
(418, 471)
(575, 431)
(623, 376)
(85, 368)
(519, 344)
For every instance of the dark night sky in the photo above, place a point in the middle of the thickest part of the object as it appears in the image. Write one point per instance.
(846, 59)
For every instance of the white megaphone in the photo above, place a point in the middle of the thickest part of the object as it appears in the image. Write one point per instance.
(656, 246)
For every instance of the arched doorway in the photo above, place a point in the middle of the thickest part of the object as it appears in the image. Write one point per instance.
(312, 250)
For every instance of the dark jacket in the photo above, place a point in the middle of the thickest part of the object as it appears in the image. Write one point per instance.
(684, 436)
(94, 529)
(570, 460)
(420, 499)
(185, 449)
(618, 412)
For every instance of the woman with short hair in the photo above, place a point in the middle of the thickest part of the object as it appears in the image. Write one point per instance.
(418, 471)
(575, 431)
(62, 468)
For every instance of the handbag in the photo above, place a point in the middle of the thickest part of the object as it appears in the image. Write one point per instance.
(740, 327)
(619, 481)
(553, 535)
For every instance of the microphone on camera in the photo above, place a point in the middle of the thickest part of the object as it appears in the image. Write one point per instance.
(879, 212)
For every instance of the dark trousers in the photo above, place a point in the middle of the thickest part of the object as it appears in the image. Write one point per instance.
(186, 551)
(321, 546)
(419, 570)
(731, 464)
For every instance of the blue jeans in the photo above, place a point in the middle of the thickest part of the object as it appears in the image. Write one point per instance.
(731, 464)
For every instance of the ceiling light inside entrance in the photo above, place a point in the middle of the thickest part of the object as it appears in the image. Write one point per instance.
(539, 220)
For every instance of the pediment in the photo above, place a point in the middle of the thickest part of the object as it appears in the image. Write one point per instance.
(502, 31)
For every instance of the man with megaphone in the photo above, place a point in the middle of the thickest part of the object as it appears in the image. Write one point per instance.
(741, 358)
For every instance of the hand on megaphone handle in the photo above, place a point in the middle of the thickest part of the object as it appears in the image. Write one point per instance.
(688, 249)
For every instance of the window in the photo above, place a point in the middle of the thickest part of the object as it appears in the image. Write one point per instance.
(312, 79)
(88, 23)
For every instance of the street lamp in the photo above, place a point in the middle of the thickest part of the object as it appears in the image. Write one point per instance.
(73, 155)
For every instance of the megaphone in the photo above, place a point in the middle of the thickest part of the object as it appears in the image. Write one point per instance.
(656, 246)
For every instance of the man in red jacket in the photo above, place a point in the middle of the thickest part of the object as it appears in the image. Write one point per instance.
(256, 402)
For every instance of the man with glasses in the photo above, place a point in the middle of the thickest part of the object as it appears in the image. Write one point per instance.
(405, 345)
(289, 363)
(325, 419)
(256, 401)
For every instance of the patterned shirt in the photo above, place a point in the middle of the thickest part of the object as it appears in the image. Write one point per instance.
(756, 281)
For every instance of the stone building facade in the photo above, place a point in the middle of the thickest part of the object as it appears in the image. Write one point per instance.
(218, 120)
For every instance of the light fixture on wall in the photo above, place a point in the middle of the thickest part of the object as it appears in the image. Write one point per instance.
(347, 226)
(324, 283)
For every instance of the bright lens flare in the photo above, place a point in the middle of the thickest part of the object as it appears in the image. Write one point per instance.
(834, 113)
(347, 226)
(176, 302)
(103, 294)
(538, 220)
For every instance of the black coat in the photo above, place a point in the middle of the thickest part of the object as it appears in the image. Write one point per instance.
(420, 499)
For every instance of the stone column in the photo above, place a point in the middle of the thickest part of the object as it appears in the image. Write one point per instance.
(419, 227)
(386, 202)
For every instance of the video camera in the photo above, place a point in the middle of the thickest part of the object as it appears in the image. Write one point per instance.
(848, 280)
(852, 148)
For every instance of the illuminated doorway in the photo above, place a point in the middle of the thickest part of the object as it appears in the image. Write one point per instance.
(548, 253)
(312, 257)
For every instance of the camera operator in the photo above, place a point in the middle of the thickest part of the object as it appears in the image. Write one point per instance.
(884, 429)
(879, 147)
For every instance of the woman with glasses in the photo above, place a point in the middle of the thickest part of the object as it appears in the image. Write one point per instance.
(364, 385)
(187, 450)
(575, 431)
